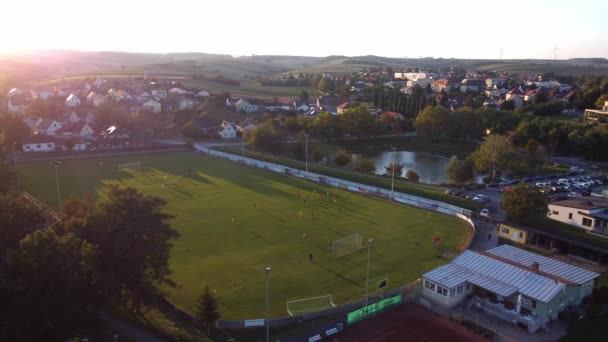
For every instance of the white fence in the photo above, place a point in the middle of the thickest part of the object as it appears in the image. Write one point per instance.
(400, 197)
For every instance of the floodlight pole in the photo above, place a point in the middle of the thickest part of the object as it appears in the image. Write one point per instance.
(306, 135)
(267, 270)
(15, 166)
(393, 179)
(243, 143)
(56, 164)
(369, 246)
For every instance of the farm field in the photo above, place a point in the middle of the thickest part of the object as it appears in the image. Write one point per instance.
(235, 220)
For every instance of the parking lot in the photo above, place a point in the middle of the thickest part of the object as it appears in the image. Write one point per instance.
(574, 184)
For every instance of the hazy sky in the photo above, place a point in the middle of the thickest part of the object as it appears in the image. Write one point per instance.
(439, 28)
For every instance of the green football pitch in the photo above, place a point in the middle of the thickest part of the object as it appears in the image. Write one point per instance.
(236, 220)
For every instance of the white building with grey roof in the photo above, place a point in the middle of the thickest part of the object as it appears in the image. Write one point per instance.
(510, 283)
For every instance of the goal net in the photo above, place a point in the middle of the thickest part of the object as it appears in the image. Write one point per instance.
(129, 165)
(306, 305)
(347, 245)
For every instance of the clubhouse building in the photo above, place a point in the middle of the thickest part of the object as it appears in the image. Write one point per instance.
(509, 283)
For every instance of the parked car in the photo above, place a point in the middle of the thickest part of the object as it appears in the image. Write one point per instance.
(573, 194)
(485, 212)
(481, 198)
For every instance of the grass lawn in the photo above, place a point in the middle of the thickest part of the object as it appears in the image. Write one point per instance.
(236, 220)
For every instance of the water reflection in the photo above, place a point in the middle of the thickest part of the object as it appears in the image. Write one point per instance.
(430, 168)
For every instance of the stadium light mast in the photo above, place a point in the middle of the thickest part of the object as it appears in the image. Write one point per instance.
(243, 143)
(369, 246)
(306, 135)
(267, 270)
(393, 167)
(56, 164)
(15, 166)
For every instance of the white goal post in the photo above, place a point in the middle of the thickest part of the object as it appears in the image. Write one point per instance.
(306, 305)
(347, 245)
(129, 165)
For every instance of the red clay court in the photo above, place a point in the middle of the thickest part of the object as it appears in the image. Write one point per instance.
(410, 322)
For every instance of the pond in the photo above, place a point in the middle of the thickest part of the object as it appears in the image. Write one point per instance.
(430, 168)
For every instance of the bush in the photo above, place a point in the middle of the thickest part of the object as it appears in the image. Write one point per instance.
(412, 176)
(367, 166)
(342, 157)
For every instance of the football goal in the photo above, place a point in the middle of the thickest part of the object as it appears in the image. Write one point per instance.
(306, 305)
(135, 165)
(347, 245)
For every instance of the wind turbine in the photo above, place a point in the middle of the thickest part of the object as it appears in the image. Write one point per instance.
(555, 52)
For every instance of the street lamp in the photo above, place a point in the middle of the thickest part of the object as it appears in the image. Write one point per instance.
(369, 246)
(56, 164)
(306, 135)
(15, 166)
(267, 269)
(393, 180)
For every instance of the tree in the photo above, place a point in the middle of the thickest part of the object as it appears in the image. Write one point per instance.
(133, 237)
(267, 136)
(508, 105)
(303, 95)
(49, 288)
(14, 130)
(192, 130)
(432, 121)
(206, 309)
(412, 176)
(18, 218)
(398, 169)
(358, 121)
(342, 157)
(367, 166)
(327, 125)
(325, 86)
(69, 144)
(599, 103)
(523, 203)
(493, 154)
(459, 172)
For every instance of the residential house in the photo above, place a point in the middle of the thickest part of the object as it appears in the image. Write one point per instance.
(72, 101)
(360, 86)
(495, 92)
(515, 95)
(343, 107)
(444, 84)
(530, 94)
(247, 106)
(16, 104)
(203, 93)
(471, 85)
(113, 137)
(152, 105)
(76, 129)
(410, 75)
(38, 143)
(159, 93)
(144, 97)
(31, 121)
(185, 103)
(47, 127)
(493, 82)
(421, 82)
(245, 127)
(330, 103)
(509, 283)
(62, 143)
(95, 99)
(206, 125)
(179, 91)
(73, 117)
(119, 95)
(589, 213)
(45, 95)
(569, 97)
(301, 106)
(227, 130)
